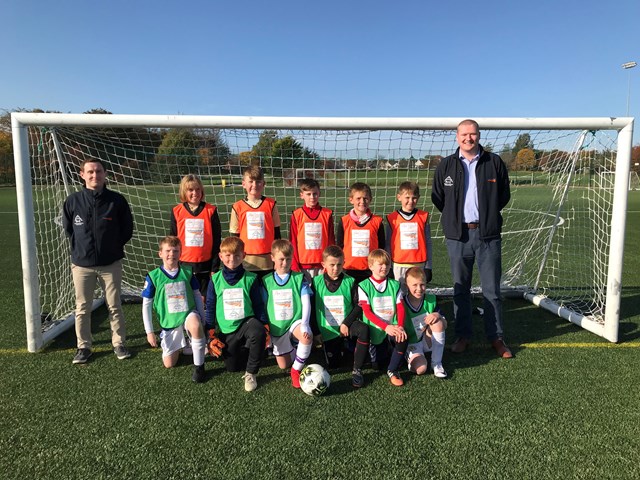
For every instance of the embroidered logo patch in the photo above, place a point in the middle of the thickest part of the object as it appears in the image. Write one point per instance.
(491, 180)
(448, 182)
(77, 221)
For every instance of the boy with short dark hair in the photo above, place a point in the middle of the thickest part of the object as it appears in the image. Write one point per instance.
(173, 291)
(338, 314)
(255, 219)
(381, 301)
(425, 325)
(288, 308)
(359, 232)
(310, 230)
(234, 304)
(409, 234)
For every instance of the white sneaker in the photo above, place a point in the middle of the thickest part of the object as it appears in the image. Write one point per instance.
(250, 382)
(438, 371)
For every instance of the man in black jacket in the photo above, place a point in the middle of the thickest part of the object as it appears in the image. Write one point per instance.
(470, 188)
(98, 223)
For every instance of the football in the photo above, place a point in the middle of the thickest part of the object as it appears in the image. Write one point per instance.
(314, 380)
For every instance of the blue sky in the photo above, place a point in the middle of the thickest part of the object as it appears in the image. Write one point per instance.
(326, 58)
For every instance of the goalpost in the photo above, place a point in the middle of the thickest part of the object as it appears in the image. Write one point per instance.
(563, 232)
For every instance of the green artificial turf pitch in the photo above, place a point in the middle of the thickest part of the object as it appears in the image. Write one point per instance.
(567, 405)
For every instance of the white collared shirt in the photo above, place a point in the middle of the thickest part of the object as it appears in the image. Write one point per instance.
(470, 212)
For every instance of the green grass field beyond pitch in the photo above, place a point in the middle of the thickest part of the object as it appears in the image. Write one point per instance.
(566, 407)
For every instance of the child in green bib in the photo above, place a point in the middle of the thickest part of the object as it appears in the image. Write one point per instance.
(174, 293)
(338, 315)
(288, 308)
(381, 301)
(234, 305)
(425, 325)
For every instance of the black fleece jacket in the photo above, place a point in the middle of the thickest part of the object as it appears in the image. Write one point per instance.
(447, 194)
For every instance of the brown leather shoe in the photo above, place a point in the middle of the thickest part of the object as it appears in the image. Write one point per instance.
(502, 350)
(460, 345)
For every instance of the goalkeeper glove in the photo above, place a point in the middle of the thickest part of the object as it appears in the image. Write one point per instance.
(214, 344)
(267, 342)
(428, 274)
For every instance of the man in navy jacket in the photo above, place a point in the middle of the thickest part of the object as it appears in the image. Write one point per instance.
(470, 188)
(98, 223)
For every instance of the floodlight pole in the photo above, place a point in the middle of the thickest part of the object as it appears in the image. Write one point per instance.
(629, 66)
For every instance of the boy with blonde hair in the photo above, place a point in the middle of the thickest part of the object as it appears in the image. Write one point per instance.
(174, 293)
(256, 221)
(310, 230)
(409, 234)
(338, 314)
(234, 305)
(359, 232)
(381, 301)
(425, 325)
(288, 308)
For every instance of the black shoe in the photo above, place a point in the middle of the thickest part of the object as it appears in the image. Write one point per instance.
(82, 356)
(198, 374)
(357, 380)
(122, 352)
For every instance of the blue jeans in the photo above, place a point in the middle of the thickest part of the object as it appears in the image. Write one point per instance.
(487, 254)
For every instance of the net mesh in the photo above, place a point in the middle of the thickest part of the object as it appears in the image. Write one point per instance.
(556, 227)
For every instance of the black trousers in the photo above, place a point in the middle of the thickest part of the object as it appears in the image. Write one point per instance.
(245, 347)
(334, 348)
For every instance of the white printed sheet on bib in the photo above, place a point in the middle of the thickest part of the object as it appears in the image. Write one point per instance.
(255, 225)
(408, 236)
(360, 243)
(233, 303)
(334, 310)
(194, 232)
(313, 236)
(175, 295)
(283, 304)
(384, 307)
(416, 323)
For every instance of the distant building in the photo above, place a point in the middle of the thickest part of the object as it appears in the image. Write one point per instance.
(388, 166)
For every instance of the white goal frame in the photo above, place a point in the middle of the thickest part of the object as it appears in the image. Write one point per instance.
(21, 121)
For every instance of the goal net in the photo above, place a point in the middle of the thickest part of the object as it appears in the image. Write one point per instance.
(563, 229)
(328, 177)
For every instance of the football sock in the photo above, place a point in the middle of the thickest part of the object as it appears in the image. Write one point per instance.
(302, 353)
(437, 347)
(198, 345)
(360, 354)
(396, 358)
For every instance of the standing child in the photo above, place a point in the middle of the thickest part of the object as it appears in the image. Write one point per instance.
(427, 325)
(381, 301)
(234, 304)
(310, 230)
(197, 225)
(256, 220)
(338, 314)
(288, 308)
(173, 291)
(409, 235)
(359, 232)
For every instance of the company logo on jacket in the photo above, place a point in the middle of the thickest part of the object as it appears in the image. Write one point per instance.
(77, 221)
(448, 182)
